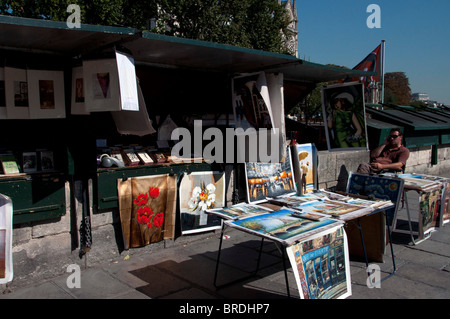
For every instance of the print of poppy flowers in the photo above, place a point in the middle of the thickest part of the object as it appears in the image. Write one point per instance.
(145, 215)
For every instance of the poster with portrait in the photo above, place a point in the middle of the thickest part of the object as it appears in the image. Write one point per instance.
(6, 222)
(344, 116)
(270, 180)
(304, 161)
(321, 265)
(147, 207)
(200, 191)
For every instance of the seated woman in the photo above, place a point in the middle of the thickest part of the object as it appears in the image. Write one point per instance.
(390, 156)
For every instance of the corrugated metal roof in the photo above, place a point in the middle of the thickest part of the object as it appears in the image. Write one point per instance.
(410, 118)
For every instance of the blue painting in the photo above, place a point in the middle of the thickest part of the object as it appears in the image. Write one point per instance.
(380, 187)
(281, 225)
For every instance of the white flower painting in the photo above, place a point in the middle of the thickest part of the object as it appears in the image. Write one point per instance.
(203, 197)
(200, 191)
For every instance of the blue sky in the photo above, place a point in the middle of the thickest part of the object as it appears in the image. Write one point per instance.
(417, 35)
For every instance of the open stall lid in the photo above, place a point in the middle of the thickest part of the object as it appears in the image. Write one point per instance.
(55, 37)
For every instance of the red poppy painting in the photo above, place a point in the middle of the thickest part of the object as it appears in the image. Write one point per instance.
(147, 209)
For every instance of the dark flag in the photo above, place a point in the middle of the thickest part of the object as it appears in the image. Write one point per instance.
(371, 63)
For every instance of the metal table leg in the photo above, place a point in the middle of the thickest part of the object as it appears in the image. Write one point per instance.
(218, 261)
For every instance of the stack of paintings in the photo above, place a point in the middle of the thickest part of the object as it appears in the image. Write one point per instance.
(433, 200)
(284, 225)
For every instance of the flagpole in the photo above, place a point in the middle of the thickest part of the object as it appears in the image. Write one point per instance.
(383, 46)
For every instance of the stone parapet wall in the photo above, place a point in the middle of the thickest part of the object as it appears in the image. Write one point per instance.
(335, 166)
(38, 244)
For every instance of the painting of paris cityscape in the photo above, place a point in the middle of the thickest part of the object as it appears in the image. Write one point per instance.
(269, 180)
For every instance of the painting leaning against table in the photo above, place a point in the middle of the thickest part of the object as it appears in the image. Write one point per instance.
(200, 191)
(321, 265)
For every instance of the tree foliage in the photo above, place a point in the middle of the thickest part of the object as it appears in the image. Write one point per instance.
(397, 89)
(257, 24)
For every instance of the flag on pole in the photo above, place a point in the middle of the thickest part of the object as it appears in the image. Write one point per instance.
(371, 63)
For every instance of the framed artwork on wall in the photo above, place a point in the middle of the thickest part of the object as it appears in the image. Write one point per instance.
(46, 94)
(78, 105)
(16, 92)
(101, 85)
(110, 84)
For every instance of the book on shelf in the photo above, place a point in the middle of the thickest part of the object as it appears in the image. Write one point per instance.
(145, 157)
(159, 157)
(9, 164)
(130, 158)
(29, 162)
(47, 163)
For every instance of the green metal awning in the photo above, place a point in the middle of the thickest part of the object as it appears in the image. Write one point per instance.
(54, 37)
(174, 52)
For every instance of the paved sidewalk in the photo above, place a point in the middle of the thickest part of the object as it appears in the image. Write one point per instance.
(186, 271)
